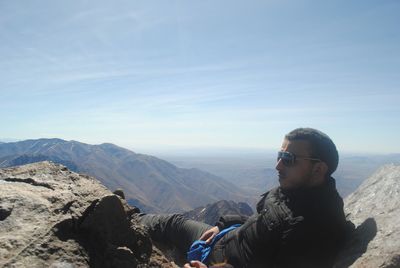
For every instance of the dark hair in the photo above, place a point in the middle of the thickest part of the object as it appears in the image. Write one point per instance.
(322, 147)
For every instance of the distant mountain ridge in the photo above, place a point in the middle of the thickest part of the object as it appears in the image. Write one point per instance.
(148, 182)
(212, 212)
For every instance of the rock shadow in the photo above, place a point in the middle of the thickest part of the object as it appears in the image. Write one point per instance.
(4, 213)
(357, 243)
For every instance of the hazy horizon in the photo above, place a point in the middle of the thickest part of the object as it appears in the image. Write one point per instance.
(206, 151)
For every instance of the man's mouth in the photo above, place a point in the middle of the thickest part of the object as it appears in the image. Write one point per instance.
(281, 176)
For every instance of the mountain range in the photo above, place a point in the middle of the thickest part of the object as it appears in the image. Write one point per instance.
(152, 184)
(211, 213)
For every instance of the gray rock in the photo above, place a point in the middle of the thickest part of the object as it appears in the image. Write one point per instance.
(374, 208)
(52, 217)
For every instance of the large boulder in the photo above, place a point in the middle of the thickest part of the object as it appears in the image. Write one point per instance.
(52, 217)
(374, 208)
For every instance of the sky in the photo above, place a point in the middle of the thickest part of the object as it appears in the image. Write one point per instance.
(156, 75)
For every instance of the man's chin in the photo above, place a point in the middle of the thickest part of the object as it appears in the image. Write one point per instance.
(285, 185)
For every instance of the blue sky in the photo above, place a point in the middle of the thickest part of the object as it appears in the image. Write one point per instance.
(163, 74)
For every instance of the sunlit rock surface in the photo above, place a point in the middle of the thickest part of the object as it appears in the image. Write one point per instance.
(51, 217)
(374, 208)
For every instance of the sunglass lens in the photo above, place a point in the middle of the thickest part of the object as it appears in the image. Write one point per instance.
(286, 157)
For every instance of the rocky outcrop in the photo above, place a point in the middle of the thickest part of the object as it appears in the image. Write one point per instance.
(374, 208)
(52, 217)
(212, 212)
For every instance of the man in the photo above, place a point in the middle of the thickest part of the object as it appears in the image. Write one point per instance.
(301, 223)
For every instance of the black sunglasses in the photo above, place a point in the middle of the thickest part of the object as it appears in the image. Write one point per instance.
(288, 159)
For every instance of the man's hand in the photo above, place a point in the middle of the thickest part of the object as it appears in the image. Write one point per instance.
(195, 264)
(208, 235)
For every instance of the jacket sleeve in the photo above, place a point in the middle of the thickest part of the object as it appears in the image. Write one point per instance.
(256, 243)
(229, 220)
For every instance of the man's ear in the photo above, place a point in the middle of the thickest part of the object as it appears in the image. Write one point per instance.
(320, 170)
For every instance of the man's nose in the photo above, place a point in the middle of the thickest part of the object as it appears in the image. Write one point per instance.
(279, 165)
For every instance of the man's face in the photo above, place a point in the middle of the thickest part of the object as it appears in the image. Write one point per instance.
(300, 173)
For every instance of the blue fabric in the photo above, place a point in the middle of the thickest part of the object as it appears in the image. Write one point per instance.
(199, 250)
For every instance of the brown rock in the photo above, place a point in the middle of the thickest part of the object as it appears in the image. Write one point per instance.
(51, 217)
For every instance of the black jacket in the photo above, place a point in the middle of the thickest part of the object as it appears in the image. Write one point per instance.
(302, 228)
